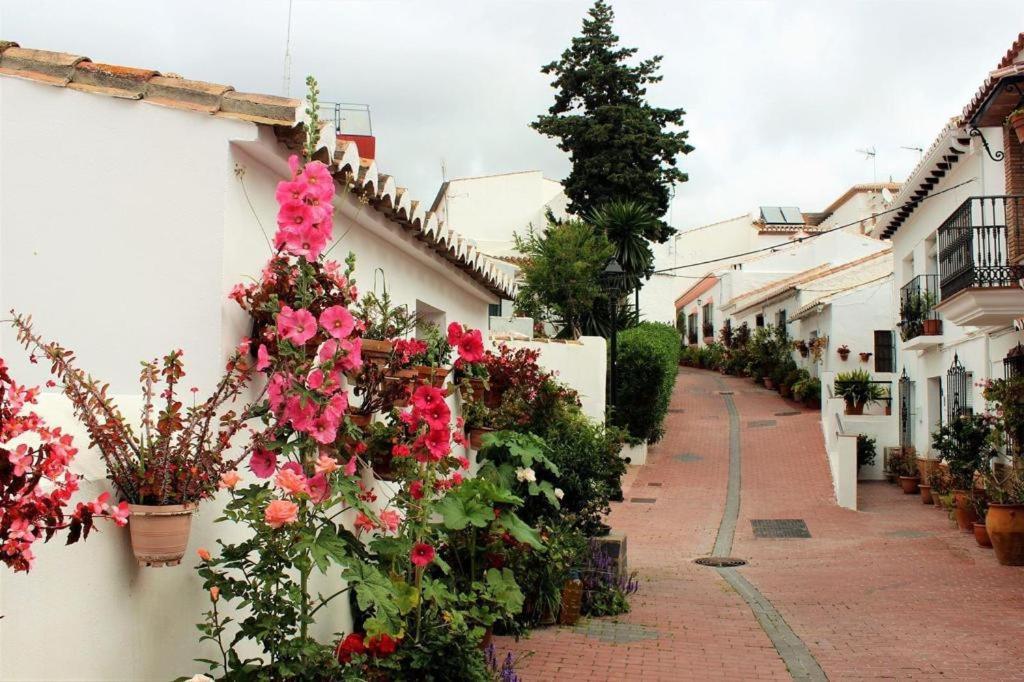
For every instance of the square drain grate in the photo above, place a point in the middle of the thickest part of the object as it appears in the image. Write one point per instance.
(642, 500)
(761, 423)
(677, 410)
(654, 485)
(780, 528)
(788, 413)
(724, 392)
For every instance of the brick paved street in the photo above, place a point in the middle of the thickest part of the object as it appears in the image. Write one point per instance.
(892, 591)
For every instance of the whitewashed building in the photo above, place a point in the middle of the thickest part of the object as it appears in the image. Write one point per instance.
(131, 203)
(958, 245)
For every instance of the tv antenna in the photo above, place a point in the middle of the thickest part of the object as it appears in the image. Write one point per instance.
(919, 150)
(870, 153)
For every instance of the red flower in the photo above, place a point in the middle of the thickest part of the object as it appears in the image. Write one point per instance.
(471, 346)
(416, 490)
(422, 554)
(352, 644)
(382, 645)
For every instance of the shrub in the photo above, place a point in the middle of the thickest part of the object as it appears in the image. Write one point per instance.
(856, 388)
(865, 451)
(648, 356)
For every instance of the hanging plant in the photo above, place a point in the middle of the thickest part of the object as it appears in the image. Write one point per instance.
(844, 352)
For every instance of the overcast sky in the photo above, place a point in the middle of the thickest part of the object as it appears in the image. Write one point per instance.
(779, 95)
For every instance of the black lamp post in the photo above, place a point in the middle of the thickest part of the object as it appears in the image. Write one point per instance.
(611, 277)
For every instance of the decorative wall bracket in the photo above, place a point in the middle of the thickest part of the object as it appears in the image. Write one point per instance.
(974, 131)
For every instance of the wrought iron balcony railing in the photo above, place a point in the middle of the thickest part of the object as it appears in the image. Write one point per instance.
(973, 244)
(917, 306)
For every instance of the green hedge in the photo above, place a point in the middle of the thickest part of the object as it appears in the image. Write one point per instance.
(648, 359)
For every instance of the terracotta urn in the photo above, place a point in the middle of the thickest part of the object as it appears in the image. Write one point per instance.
(926, 493)
(981, 535)
(159, 533)
(909, 484)
(1005, 525)
(964, 511)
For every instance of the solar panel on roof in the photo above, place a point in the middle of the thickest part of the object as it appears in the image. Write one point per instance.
(792, 215)
(772, 215)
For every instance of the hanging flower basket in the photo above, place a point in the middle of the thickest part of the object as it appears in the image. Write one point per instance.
(376, 351)
(435, 376)
(159, 533)
(844, 352)
(1016, 121)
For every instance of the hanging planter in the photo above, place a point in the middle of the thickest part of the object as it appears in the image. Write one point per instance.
(159, 533)
(476, 436)
(844, 352)
(864, 357)
(435, 376)
(1005, 525)
(931, 327)
(1016, 121)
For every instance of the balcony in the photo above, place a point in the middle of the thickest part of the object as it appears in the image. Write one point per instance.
(980, 248)
(920, 326)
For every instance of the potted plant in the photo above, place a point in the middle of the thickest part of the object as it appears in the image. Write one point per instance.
(801, 346)
(938, 480)
(478, 420)
(433, 364)
(866, 450)
(906, 471)
(817, 347)
(858, 390)
(382, 322)
(178, 455)
(864, 357)
(965, 447)
(844, 352)
(1016, 121)
(709, 332)
(980, 529)
(1005, 519)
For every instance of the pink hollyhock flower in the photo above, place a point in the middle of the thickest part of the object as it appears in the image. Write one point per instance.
(416, 490)
(293, 164)
(337, 321)
(350, 466)
(290, 191)
(280, 513)
(337, 406)
(300, 411)
(408, 418)
(471, 346)
(263, 463)
(364, 523)
(437, 442)
(318, 178)
(327, 350)
(291, 482)
(294, 217)
(319, 489)
(455, 332)
(315, 379)
(353, 355)
(324, 429)
(229, 479)
(389, 519)
(422, 554)
(426, 396)
(437, 416)
(298, 326)
(276, 392)
(262, 358)
(120, 514)
(326, 465)
(307, 241)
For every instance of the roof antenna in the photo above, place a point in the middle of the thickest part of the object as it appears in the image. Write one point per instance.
(919, 150)
(288, 54)
(871, 154)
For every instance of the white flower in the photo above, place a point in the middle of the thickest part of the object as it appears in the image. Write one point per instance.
(559, 493)
(200, 678)
(526, 474)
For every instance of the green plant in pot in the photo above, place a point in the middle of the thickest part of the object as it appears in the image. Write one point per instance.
(434, 364)
(1004, 486)
(857, 389)
(382, 322)
(965, 445)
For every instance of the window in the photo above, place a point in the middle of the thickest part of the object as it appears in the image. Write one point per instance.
(494, 310)
(709, 322)
(780, 319)
(759, 320)
(885, 351)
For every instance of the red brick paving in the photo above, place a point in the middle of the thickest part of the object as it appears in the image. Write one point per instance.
(892, 591)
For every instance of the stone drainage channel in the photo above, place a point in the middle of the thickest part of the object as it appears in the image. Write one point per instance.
(795, 654)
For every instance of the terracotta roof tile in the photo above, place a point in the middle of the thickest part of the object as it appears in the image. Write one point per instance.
(259, 108)
(56, 68)
(186, 94)
(108, 79)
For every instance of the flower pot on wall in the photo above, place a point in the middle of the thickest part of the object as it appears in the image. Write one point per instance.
(159, 533)
(843, 354)
(435, 376)
(376, 351)
(854, 408)
(909, 484)
(476, 390)
(932, 327)
(1016, 121)
(1005, 525)
(476, 436)
(964, 511)
(981, 535)
(864, 357)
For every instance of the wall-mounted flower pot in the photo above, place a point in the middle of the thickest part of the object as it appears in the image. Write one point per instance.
(1016, 122)
(476, 436)
(964, 511)
(909, 484)
(926, 493)
(492, 398)
(864, 357)
(854, 408)
(981, 535)
(476, 390)
(359, 419)
(435, 376)
(843, 354)
(932, 327)
(1005, 525)
(376, 351)
(159, 533)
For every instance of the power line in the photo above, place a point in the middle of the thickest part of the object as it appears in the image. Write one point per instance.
(799, 240)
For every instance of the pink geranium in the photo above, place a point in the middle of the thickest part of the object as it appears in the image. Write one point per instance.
(337, 321)
(280, 513)
(297, 326)
(389, 520)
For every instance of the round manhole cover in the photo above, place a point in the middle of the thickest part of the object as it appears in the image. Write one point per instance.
(720, 561)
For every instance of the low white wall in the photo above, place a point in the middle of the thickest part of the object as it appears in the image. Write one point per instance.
(581, 364)
(845, 471)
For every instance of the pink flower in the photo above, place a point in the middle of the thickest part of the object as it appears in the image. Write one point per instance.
(120, 514)
(325, 464)
(427, 396)
(438, 443)
(295, 216)
(280, 513)
(229, 479)
(300, 411)
(337, 321)
(291, 482)
(314, 380)
(290, 191)
(350, 466)
(327, 350)
(416, 490)
(306, 241)
(324, 429)
(243, 345)
(298, 326)
(364, 523)
(471, 346)
(437, 415)
(400, 450)
(455, 332)
(319, 489)
(456, 478)
(22, 462)
(389, 519)
(422, 554)
(262, 358)
(463, 461)
(319, 180)
(263, 463)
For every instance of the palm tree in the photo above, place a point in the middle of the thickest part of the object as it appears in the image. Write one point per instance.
(626, 224)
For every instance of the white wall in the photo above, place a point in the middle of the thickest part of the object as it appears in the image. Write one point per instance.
(582, 364)
(123, 226)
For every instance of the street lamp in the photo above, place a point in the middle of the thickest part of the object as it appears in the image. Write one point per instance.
(611, 278)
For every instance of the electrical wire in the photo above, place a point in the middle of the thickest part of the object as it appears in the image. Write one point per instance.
(799, 240)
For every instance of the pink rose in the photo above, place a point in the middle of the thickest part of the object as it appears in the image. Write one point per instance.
(280, 513)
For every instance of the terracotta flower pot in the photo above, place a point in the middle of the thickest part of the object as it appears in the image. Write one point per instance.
(964, 511)
(1017, 123)
(768, 383)
(854, 408)
(1005, 525)
(359, 419)
(932, 327)
(476, 436)
(492, 399)
(376, 351)
(981, 535)
(864, 357)
(476, 390)
(909, 484)
(926, 493)
(383, 465)
(435, 376)
(935, 499)
(160, 533)
(843, 355)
